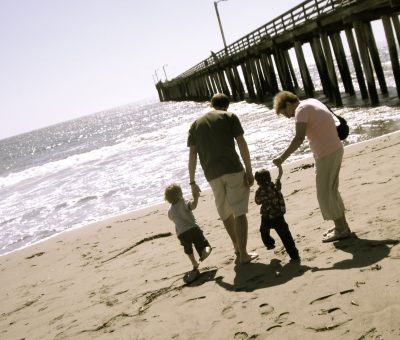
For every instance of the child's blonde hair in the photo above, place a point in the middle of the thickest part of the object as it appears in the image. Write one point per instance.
(173, 193)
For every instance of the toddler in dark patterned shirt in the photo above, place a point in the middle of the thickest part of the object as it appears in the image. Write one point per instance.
(272, 212)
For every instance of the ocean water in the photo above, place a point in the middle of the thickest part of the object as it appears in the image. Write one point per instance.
(120, 160)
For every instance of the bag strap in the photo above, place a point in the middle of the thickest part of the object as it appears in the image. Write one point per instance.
(331, 111)
(340, 118)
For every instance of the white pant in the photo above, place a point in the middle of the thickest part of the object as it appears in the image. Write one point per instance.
(231, 195)
(327, 171)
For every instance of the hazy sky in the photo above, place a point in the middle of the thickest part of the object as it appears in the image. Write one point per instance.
(62, 59)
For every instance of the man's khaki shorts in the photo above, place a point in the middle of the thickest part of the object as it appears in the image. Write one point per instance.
(231, 195)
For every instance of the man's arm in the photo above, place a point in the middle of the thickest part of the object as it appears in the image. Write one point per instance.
(192, 170)
(294, 144)
(245, 154)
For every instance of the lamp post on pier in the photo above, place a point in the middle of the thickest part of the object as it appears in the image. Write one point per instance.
(156, 75)
(165, 72)
(220, 24)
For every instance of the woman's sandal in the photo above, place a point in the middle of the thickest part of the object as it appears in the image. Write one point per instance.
(329, 231)
(336, 235)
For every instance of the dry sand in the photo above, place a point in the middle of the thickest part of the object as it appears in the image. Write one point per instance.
(122, 278)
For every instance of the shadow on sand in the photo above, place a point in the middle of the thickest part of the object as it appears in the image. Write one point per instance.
(205, 276)
(252, 276)
(365, 252)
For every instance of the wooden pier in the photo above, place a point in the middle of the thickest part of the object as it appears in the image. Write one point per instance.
(258, 65)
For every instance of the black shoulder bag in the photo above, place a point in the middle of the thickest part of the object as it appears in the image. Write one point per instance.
(342, 128)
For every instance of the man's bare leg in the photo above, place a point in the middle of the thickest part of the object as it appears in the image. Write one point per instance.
(241, 228)
(229, 224)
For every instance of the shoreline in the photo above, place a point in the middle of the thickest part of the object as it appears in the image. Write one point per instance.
(79, 226)
(121, 277)
(85, 203)
(155, 205)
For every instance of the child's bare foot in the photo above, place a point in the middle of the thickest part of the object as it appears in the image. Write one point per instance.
(191, 276)
(205, 253)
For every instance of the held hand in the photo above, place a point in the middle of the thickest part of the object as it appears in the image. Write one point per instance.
(277, 161)
(249, 178)
(196, 195)
(195, 190)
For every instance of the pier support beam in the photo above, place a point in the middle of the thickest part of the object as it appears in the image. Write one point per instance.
(264, 55)
(305, 74)
(266, 86)
(248, 80)
(319, 58)
(394, 57)
(362, 45)
(217, 83)
(239, 83)
(291, 69)
(222, 79)
(376, 61)
(209, 84)
(262, 76)
(283, 69)
(357, 63)
(337, 99)
(231, 82)
(344, 70)
(256, 78)
(269, 72)
(396, 25)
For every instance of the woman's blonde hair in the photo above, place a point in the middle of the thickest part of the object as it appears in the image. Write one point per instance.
(282, 99)
(173, 193)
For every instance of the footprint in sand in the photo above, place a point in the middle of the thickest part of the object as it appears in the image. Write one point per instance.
(325, 317)
(241, 336)
(109, 301)
(328, 319)
(228, 312)
(58, 318)
(266, 309)
(273, 327)
(34, 255)
(228, 260)
(371, 334)
(281, 318)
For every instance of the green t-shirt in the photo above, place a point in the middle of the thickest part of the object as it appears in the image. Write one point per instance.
(214, 135)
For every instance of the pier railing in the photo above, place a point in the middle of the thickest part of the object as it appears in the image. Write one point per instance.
(259, 65)
(297, 16)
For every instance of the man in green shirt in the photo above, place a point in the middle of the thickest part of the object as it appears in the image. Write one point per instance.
(212, 137)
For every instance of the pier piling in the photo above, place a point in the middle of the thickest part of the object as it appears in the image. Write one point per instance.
(259, 65)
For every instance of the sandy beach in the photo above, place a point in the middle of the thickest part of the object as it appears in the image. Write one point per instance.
(122, 278)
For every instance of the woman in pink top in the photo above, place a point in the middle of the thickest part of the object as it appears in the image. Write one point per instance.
(314, 120)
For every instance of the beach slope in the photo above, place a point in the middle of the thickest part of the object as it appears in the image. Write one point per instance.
(122, 278)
